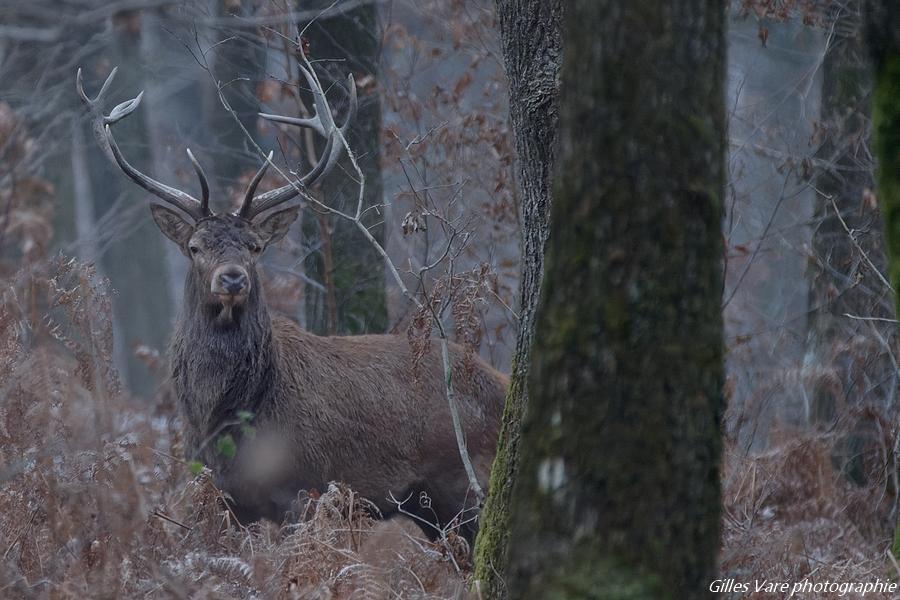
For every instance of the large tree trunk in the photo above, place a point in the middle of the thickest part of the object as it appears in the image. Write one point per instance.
(531, 32)
(883, 32)
(617, 492)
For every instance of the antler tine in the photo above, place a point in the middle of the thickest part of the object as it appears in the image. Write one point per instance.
(273, 198)
(204, 185)
(79, 86)
(310, 123)
(354, 104)
(100, 125)
(176, 198)
(322, 167)
(95, 108)
(251, 189)
(323, 124)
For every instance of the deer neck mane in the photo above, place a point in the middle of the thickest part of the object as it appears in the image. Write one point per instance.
(221, 369)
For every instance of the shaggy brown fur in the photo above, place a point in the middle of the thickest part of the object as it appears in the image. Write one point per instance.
(323, 408)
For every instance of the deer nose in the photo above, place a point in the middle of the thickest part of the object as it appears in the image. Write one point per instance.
(232, 279)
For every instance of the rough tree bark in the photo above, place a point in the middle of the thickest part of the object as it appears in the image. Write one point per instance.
(531, 34)
(617, 493)
(883, 36)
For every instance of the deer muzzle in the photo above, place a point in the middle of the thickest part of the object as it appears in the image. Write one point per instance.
(231, 283)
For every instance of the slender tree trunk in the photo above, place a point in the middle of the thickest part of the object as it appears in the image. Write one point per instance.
(884, 42)
(141, 304)
(883, 33)
(617, 492)
(238, 63)
(158, 120)
(843, 282)
(351, 42)
(531, 32)
(83, 196)
(843, 274)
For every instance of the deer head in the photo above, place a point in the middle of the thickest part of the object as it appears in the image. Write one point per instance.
(224, 248)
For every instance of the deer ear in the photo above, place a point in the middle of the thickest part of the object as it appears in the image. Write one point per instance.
(275, 226)
(173, 225)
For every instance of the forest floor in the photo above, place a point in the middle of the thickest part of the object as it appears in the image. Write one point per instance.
(789, 515)
(95, 502)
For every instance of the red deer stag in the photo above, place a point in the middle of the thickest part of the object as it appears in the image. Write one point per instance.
(321, 409)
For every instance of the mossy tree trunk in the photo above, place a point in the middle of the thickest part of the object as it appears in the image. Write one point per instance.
(351, 42)
(531, 32)
(883, 33)
(884, 41)
(617, 491)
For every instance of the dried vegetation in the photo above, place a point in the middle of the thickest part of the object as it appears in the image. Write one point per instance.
(792, 513)
(96, 500)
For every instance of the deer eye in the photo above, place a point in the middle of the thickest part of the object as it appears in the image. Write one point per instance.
(194, 249)
(255, 248)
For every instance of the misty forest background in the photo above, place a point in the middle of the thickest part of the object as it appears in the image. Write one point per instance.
(95, 499)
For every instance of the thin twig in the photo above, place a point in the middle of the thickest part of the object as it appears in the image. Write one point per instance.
(22, 533)
(854, 242)
(457, 425)
(165, 517)
(879, 319)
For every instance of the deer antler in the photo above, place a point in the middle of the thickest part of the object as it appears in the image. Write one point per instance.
(323, 124)
(100, 124)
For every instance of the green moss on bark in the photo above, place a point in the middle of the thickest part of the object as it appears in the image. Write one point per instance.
(583, 577)
(618, 482)
(531, 35)
(493, 533)
(883, 39)
(886, 125)
(895, 546)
